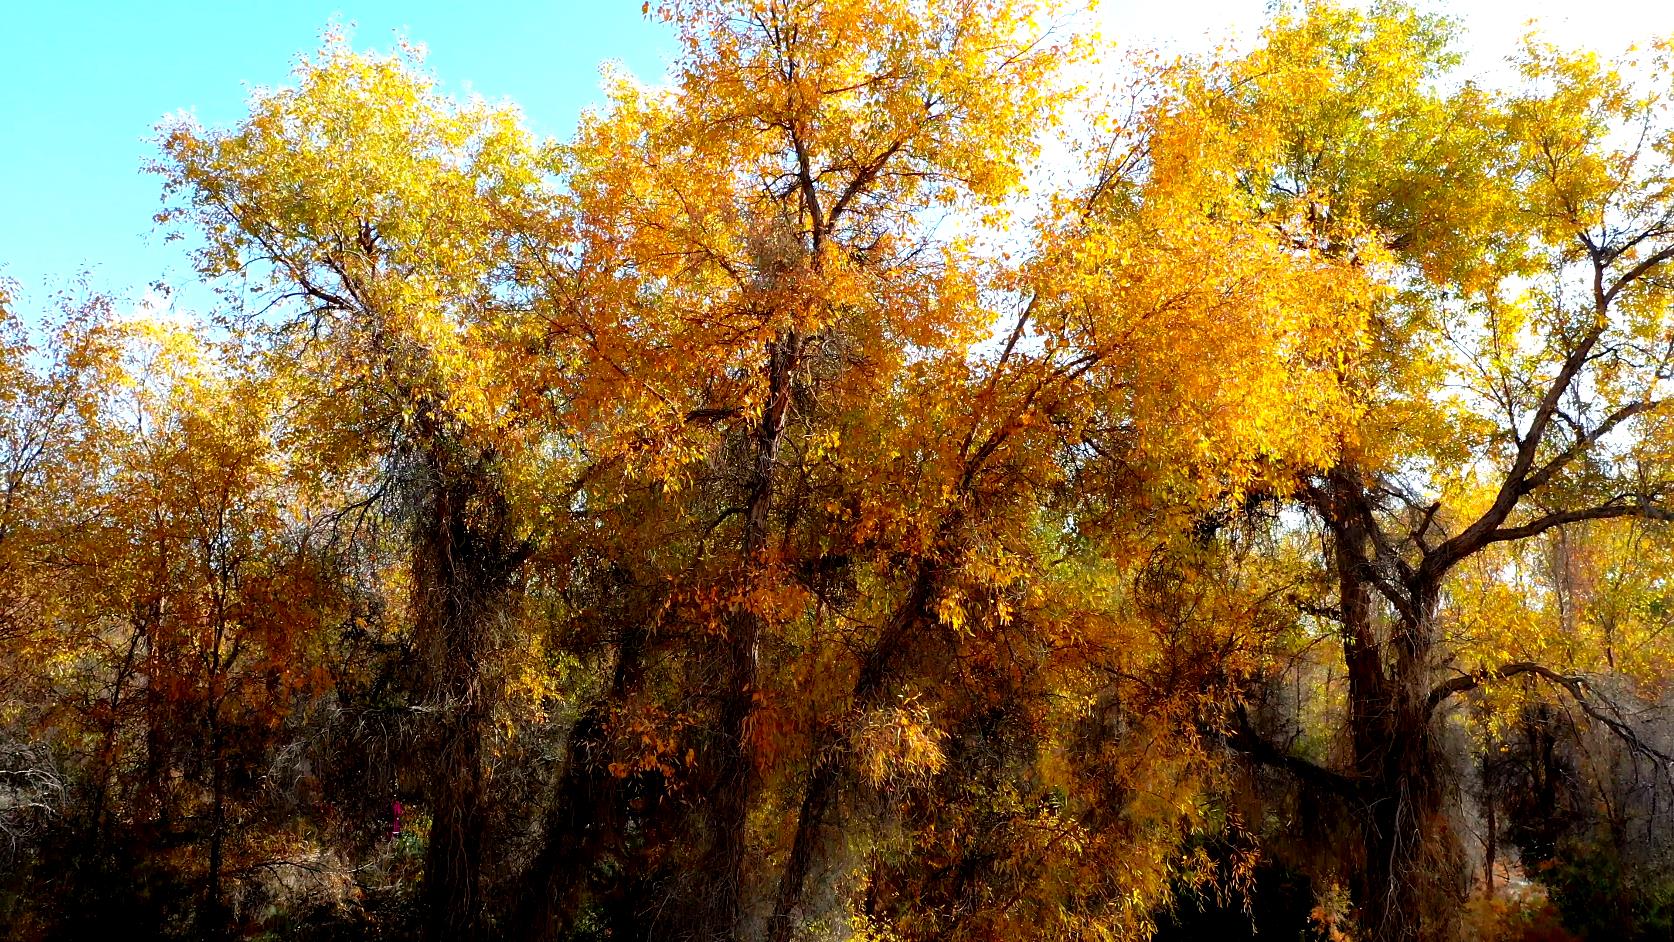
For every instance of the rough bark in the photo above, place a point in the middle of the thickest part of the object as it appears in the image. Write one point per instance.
(464, 563)
(1412, 879)
(1414, 876)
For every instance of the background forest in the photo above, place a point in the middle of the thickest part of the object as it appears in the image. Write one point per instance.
(913, 475)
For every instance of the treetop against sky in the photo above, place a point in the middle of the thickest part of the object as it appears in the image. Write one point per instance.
(869, 478)
(87, 80)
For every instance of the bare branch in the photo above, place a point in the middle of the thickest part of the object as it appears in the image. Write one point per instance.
(1585, 441)
(1516, 483)
(1639, 507)
(1638, 271)
(1598, 707)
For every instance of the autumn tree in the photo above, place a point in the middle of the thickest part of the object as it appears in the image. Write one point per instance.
(366, 212)
(768, 219)
(52, 380)
(893, 530)
(208, 601)
(166, 611)
(1510, 383)
(51, 397)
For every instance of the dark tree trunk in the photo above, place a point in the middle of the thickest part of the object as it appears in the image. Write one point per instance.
(453, 861)
(216, 916)
(465, 561)
(1491, 845)
(831, 765)
(585, 818)
(582, 813)
(1413, 878)
(733, 785)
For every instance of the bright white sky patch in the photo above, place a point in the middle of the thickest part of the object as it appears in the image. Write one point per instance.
(1493, 28)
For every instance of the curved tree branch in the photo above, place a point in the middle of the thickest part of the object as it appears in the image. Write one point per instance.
(1597, 707)
(1244, 739)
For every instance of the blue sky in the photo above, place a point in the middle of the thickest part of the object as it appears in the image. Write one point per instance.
(85, 80)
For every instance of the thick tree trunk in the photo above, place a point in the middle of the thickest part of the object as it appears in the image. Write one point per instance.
(464, 564)
(581, 813)
(788, 907)
(453, 861)
(1414, 876)
(1412, 879)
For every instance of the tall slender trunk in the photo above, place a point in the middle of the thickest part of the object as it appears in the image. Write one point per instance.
(734, 783)
(105, 759)
(1491, 845)
(832, 766)
(583, 822)
(217, 918)
(216, 915)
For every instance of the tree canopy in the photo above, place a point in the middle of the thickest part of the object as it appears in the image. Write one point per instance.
(911, 475)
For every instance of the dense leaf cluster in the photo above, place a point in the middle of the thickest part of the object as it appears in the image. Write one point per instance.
(796, 508)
